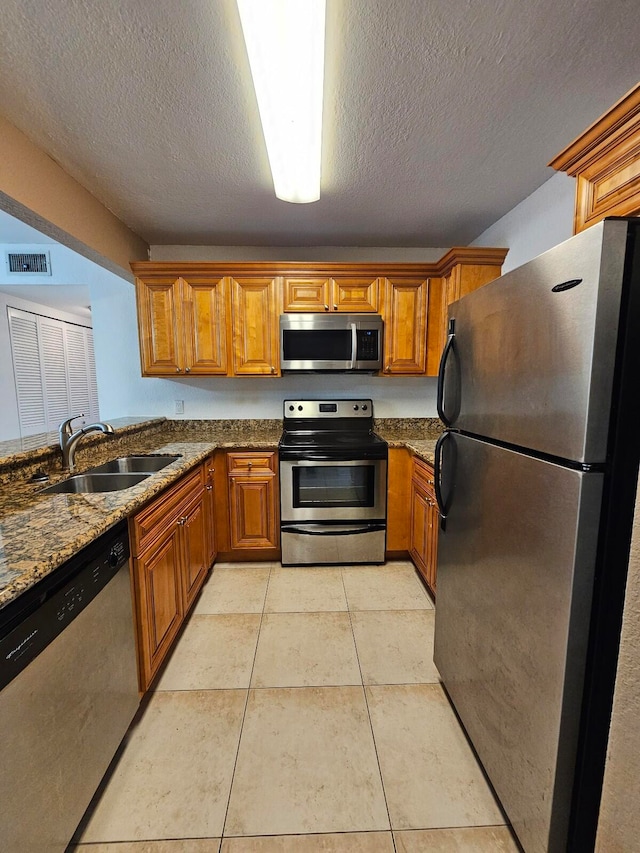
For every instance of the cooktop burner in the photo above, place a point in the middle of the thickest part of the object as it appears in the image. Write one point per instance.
(332, 428)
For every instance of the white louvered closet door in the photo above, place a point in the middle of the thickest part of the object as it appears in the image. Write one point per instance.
(53, 362)
(23, 330)
(54, 369)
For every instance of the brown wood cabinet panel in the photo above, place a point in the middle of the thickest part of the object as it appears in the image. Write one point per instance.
(159, 600)
(398, 499)
(605, 160)
(306, 294)
(253, 511)
(251, 461)
(196, 547)
(355, 295)
(405, 330)
(255, 327)
(205, 319)
(424, 522)
(160, 326)
(210, 508)
(152, 521)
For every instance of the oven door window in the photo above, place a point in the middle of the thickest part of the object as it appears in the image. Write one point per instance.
(334, 486)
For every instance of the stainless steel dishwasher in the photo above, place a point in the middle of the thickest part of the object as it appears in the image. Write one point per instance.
(69, 691)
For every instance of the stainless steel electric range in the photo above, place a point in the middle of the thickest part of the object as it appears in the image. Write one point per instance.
(333, 484)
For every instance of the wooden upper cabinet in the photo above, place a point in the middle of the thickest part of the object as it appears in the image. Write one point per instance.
(405, 326)
(182, 324)
(255, 327)
(605, 160)
(321, 294)
(355, 295)
(306, 294)
(204, 305)
(214, 318)
(160, 325)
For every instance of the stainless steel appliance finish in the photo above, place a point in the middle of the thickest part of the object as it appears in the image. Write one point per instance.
(64, 714)
(514, 587)
(542, 357)
(333, 482)
(536, 481)
(333, 488)
(337, 544)
(330, 342)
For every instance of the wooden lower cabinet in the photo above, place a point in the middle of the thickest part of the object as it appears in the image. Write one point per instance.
(424, 522)
(159, 610)
(253, 500)
(398, 494)
(171, 557)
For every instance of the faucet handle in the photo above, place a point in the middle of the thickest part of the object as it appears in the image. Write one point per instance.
(65, 426)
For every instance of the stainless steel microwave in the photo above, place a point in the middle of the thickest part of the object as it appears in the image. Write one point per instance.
(330, 343)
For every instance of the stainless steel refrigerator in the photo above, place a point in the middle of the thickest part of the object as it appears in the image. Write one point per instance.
(536, 477)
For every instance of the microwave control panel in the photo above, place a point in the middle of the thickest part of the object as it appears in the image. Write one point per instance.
(367, 346)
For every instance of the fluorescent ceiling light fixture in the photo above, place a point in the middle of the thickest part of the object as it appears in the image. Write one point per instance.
(285, 44)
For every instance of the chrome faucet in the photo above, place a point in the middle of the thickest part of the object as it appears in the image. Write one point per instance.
(69, 439)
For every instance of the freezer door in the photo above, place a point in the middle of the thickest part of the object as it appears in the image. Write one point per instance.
(533, 352)
(515, 573)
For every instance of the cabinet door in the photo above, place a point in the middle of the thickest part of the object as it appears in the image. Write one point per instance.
(424, 523)
(255, 326)
(195, 548)
(253, 511)
(210, 509)
(160, 326)
(405, 329)
(157, 577)
(355, 295)
(419, 511)
(204, 306)
(431, 554)
(398, 499)
(306, 294)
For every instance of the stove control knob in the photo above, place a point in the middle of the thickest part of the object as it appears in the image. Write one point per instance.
(364, 407)
(356, 407)
(291, 408)
(299, 408)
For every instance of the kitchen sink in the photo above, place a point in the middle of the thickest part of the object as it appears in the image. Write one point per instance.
(134, 464)
(84, 483)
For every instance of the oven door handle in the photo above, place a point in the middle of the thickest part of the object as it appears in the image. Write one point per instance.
(331, 529)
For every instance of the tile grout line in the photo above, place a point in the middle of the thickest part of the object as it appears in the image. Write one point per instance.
(366, 703)
(244, 713)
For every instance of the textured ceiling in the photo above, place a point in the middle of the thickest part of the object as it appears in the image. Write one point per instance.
(440, 115)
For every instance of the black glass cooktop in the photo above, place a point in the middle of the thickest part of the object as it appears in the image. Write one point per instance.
(357, 444)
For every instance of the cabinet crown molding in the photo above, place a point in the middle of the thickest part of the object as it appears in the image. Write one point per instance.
(463, 254)
(622, 120)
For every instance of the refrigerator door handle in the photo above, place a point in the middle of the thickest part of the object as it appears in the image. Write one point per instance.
(437, 474)
(441, 372)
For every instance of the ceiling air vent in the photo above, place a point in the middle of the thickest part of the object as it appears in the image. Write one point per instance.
(29, 263)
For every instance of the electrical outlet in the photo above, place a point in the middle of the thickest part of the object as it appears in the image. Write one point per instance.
(179, 407)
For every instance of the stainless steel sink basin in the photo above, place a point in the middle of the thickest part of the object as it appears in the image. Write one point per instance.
(137, 464)
(85, 483)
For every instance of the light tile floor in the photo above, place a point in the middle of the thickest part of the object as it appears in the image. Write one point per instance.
(300, 712)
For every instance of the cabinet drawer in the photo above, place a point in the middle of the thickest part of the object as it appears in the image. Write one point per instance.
(251, 463)
(423, 474)
(165, 510)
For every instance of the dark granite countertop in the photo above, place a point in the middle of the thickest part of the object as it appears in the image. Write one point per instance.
(39, 532)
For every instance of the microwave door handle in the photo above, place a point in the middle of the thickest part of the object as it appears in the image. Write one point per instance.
(354, 345)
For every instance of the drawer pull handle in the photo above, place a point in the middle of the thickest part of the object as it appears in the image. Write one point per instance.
(208, 488)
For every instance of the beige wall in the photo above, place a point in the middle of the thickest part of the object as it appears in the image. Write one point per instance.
(619, 822)
(35, 189)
